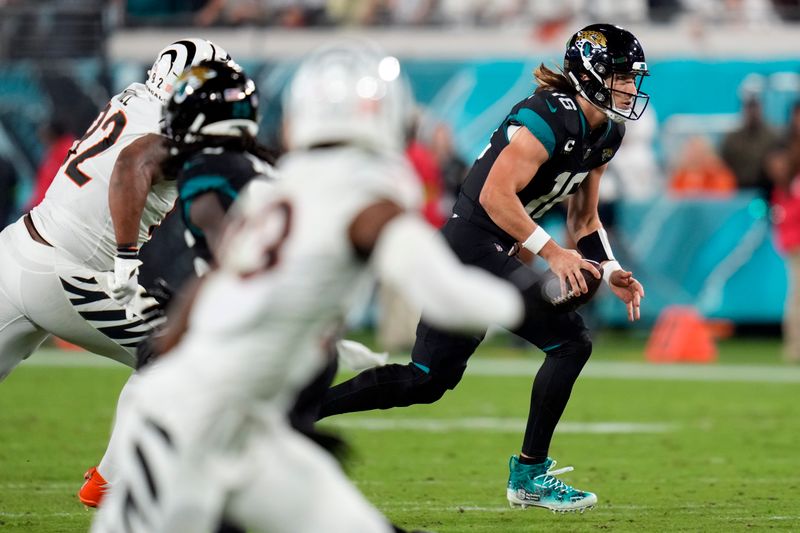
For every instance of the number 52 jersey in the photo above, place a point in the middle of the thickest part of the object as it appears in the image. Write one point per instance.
(74, 216)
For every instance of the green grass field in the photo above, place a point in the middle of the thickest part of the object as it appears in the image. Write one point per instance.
(666, 448)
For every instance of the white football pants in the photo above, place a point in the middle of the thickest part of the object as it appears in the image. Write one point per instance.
(43, 292)
(188, 458)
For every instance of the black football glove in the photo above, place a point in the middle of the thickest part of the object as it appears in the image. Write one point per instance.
(162, 292)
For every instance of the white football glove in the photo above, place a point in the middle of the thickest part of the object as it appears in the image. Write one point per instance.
(124, 282)
(144, 306)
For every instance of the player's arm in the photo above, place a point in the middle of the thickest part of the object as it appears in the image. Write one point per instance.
(137, 168)
(582, 217)
(585, 227)
(411, 256)
(511, 172)
(208, 214)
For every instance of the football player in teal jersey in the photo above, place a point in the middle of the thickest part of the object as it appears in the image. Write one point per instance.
(551, 147)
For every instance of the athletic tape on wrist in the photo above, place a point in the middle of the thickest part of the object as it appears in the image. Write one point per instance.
(609, 268)
(536, 241)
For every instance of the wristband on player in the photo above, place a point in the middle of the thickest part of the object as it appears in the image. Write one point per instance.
(609, 268)
(536, 240)
(127, 251)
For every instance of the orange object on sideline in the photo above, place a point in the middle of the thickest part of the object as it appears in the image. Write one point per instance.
(64, 345)
(681, 335)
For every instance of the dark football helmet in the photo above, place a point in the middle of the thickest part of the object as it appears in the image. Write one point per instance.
(211, 100)
(595, 56)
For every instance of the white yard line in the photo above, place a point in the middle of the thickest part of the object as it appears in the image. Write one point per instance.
(38, 515)
(480, 366)
(644, 371)
(484, 424)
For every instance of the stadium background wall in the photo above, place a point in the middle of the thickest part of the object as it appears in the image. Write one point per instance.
(713, 267)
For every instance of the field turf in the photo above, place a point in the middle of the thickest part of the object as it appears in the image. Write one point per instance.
(666, 448)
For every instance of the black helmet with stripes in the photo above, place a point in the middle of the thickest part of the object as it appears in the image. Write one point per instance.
(177, 57)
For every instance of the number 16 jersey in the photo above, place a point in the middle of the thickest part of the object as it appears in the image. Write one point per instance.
(557, 121)
(74, 216)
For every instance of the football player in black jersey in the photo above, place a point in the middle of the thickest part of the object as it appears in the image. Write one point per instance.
(552, 146)
(212, 121)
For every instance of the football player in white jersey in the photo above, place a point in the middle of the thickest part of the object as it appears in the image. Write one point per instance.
(69, 267)
(206, 437)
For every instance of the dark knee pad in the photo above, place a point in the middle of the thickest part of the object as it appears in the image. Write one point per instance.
(432, 385)
(579, 349)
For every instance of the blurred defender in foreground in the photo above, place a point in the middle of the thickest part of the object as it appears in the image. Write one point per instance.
(207, 438)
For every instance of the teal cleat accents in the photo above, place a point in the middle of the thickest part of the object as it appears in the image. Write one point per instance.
(537, 486)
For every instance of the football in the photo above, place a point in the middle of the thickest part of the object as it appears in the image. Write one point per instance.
(551, 290)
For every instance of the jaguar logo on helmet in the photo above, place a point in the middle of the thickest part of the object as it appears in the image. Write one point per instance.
(193, 80)
(589, 41)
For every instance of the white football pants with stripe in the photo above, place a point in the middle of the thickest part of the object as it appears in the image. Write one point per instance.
(43, 292)
(189, 459)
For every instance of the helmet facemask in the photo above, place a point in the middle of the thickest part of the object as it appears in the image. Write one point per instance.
(606, 66)
(618, 104)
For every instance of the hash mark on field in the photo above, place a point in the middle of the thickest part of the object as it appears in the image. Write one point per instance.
(499, 425)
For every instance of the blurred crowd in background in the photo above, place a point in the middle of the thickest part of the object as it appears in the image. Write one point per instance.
(294, 13)
(542, 13)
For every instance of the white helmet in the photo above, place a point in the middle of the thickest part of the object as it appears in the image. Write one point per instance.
(177, 57)
(348, 92)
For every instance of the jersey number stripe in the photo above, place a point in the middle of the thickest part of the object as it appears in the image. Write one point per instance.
(564, 183)
(263, 237)
(117, 122)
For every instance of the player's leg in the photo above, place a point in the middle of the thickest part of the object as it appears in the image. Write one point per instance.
(79, 311)
(163, 480)
(439, 358)
(99, 479)
(567, 346)
(293, 486)
(19, 336)
(64, 299)
(438, 363)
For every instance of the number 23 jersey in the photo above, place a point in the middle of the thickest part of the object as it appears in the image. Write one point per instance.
(557, 121)
(74, 216)
(288, 271)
